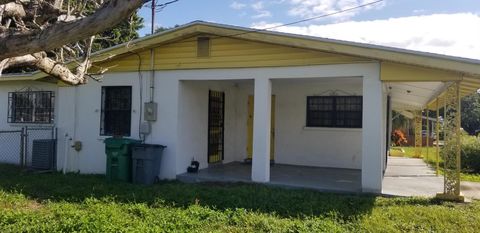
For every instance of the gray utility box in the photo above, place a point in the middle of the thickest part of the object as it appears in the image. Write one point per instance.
(150, 111)
(146, 160)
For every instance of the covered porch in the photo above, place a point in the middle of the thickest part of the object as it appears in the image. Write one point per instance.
(236, 124)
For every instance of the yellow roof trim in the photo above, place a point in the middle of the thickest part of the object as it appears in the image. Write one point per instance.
(382, 53)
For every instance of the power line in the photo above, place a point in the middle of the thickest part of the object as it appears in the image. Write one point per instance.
(325, 15)
(297, 22)
(161, 5)
(310, 19)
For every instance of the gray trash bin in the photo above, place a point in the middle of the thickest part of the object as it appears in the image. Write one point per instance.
(146, 160)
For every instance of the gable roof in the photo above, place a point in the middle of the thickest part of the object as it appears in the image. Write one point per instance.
(468, 67)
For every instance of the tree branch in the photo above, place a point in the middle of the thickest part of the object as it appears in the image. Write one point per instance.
(12, 9)
(6, 1)
(14, 44)
(17, 61)
(58, 70)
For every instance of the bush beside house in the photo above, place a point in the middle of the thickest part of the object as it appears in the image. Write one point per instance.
(470, 160)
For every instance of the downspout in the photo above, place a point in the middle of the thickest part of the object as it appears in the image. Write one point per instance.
(65, 157)
(152, 57)
(152, 75)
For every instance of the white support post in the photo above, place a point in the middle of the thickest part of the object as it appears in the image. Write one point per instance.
(261, 130)
(373, 134)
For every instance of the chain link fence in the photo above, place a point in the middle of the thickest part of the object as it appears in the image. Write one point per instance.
(11, 146)
(32, 147)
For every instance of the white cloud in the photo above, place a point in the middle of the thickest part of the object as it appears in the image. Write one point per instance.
(451, 34)
(237, 5)
(259, 8)
(311, 8)
(419, 11)
(262, 14)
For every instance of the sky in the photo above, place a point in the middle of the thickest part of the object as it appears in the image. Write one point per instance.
(450, 27)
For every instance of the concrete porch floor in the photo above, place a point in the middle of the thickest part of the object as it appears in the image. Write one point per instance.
(413, 177)
(318, 178)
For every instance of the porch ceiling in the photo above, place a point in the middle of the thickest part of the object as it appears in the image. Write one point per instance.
(468, 86)
(413, 95)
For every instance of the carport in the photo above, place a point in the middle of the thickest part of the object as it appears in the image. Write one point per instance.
(416, 91)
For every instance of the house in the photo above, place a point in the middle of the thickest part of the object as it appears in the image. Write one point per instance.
(224, 95)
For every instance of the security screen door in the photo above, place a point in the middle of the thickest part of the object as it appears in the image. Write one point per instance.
(216, 126)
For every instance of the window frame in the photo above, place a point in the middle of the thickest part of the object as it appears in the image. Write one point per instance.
(32, 99)
(103, 112)
(334, 112)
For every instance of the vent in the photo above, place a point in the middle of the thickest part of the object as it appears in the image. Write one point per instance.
(43, 152)
(203, 47)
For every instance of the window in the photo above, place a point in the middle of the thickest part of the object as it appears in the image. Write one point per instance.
(334, 111)
(31, 107)
(116, 111)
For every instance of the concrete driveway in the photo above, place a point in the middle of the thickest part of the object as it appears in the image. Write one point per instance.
(413, 177)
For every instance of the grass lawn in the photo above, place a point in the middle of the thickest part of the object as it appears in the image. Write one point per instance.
(430, 158)
(79, 203)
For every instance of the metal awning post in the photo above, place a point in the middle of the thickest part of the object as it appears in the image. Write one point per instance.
(452, 145)
(427, 111)
(418, 134)
(437, 136)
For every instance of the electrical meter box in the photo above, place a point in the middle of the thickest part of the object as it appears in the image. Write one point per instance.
(150, 113)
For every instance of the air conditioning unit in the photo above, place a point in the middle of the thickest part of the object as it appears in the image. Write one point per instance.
(43, 154)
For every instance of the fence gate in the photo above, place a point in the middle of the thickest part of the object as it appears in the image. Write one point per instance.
(31, 147)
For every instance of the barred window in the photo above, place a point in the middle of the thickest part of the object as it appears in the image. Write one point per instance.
(116, 111)
(334, 111)
(31, 107)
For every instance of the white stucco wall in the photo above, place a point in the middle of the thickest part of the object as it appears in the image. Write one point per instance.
(294, 143)
(80, 121)
(9, 143)
(193, 122)
(182, 98)
(323, 147)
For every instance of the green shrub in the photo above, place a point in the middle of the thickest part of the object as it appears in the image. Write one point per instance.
(470, 154)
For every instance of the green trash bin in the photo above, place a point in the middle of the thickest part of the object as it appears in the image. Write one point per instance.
(119, 158)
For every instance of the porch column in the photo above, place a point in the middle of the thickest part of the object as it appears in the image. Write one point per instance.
(261, 130)
(373, 134)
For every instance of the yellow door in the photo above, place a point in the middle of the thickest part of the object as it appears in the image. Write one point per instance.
(250, 129)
